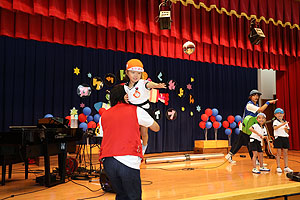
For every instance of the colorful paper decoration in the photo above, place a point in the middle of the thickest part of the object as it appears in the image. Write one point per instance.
(171, 114)
(181, 92)
(110, 79)
(98, 105)
(97, 83)
(182, 109)
(198, 108)
(74, 111)
(76, 71)
(191, 99)
(82, 105)
(157, 114)
(89, 75)
(84, 90)
(189, 86)
(172, 85)
(192, 79)
(121, 75)
(161, 77)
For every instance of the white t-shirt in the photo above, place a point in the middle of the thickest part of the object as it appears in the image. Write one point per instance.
(144, 119)
(138, 94)
(280, 131)
(252, 108)
(261, 131)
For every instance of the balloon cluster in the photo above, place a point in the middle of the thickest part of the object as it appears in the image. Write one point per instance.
(232, 123)
(215, 119)
(211, 118)
(87, 120)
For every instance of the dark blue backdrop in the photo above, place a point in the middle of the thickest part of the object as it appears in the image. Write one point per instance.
(37, 78)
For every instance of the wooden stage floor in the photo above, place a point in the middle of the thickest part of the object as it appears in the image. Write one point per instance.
(190, 180)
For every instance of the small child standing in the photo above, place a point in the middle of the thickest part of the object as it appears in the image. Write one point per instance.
(281, 134)
(259, 132)
(138, 92)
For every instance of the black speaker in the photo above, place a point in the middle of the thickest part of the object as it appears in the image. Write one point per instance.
(105, 182)
(294, 176)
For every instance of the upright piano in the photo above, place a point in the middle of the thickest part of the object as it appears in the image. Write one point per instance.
(23, 142)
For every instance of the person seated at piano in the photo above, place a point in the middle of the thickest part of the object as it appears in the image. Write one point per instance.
(121, 147)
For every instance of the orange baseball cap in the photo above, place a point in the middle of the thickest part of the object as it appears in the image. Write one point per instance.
(135, 65)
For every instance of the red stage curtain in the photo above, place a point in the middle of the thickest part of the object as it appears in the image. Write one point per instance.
(41, 28)
(189, 23)
(288, 90)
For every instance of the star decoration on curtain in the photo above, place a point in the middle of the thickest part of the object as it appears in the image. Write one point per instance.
(89, 75)
(76, 71)
(82, 105)
(198, 108)
(73, 111)
(189, 86)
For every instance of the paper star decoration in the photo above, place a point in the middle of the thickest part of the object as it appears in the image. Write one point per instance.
(182, 109)
(76, 71)
(198, 108)
(89, 75)
(82, 105)
(73, 111)
(191, 113)
(192, 79)
(171, 85)
(189, 86)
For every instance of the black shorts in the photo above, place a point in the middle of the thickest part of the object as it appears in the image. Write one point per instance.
(255, 145)
(282, 143)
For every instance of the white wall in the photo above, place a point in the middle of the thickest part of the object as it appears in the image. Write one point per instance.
(266, 83)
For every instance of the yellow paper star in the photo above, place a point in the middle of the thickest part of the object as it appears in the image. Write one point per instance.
(73, 111)
(76, 71)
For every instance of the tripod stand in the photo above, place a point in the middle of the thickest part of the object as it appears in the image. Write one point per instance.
(92, 141)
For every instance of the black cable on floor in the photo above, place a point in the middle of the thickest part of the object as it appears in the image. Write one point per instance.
(15, 195)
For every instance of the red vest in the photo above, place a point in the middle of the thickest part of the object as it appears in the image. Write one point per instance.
(121, 132)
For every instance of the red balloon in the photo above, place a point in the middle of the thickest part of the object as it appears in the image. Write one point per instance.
(68, 118)
(208, 112)
(92, 124)
(216, 124)
(101, 110)
(239, 123)
(225, 124)
(82, 117)
(212, 118)
(230, 119)
(204, 117)
(202, 124)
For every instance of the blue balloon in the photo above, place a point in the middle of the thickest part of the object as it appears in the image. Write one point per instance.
(220, 125)
(215, 112)
(48, 116)
(233, 125)
(227, 131)
(237, 118)
(219, 118)
(96, 118)
(83, 125)
(90, 118)
(208, 125)
(237, 131)
(87, 111)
